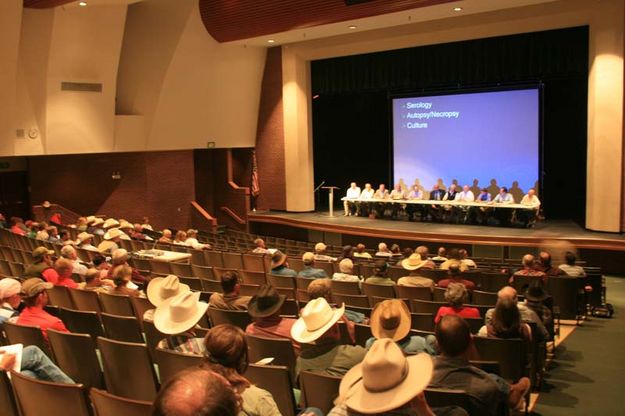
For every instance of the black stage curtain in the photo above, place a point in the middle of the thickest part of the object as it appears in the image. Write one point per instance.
(351, 114)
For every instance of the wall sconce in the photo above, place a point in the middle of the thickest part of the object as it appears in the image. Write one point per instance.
(116, 175)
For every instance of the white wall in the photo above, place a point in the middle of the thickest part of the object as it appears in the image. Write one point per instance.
(10, 22)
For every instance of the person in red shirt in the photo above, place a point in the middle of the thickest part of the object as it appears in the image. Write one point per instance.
(456, 295)
(64, 268)
(35, 298)
(455, 276)
(42, 266)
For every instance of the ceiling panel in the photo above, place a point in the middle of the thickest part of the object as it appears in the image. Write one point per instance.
(229, 20)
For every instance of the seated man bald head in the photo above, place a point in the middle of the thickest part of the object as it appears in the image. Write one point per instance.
(196, 392)
(453, 336)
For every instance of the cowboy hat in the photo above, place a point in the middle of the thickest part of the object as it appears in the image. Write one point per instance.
(90, 219)
(97, 221)
(316, 319)
(109, 223)
(413, 262)
(266, 302)
(114, 233)
(125, 225)
(390, 319)
(278, 258)
(84, 236)
(180, 313)
(536, 292)
(46, 204)
(386, 379)
(162, 288)
(34, 286)
(41, 251)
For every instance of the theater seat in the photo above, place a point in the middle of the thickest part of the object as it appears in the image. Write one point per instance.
(107, 404)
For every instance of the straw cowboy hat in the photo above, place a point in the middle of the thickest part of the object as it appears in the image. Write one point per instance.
(413, 262)
(84, 236)
(386, 379)
(46, 204)
(125, 225)
(180, 313)
(278, 258)
(266, 302)
(114, 233)
(96, 222)
(162, 288)
(90, 219)
(316, 319)
(390, 319)
(110, 223)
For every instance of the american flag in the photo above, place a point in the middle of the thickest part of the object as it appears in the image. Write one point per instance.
(255, 183)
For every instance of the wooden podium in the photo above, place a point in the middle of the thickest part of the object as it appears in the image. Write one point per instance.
(330, 198)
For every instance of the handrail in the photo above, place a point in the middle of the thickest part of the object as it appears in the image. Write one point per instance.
(229, 169)
(205, 214)
(233, 215)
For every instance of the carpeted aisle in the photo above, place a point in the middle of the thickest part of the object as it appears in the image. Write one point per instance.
(586, 377)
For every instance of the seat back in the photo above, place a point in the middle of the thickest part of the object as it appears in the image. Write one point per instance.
(139, 306)
(36, 397)
(27, 335)
(172, 362)
(237, 318)
(412, 292)
(213, 258)
(510, 353)
(345, 288)
(82, 322)
(438, 295)
(422, 321)
(493, 281)
(361, 301)
(194, 283)
(319, 390)
(296, 263)
(203, 272)
(7, 397)
(424, 306)
(276, 380)
(152, 336)
(253, 278)
(75, 355)
(362, 333)
(122, 328)
(326, 266)
(475, 323)
(378, 291)
(281, 281)
(181, 269)
(232, 260)
(128, 370)
(564, 291)
(210, 285)
(396, 272)
(301, 283)
(85, 300)
(107, 404)
(254, 262)
(484, 298)
(59, 296)
(280, 349)
(116, 304)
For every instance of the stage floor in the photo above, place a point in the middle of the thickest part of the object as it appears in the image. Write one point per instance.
(543, 233)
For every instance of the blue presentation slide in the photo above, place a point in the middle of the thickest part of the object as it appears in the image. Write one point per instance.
(484, 140)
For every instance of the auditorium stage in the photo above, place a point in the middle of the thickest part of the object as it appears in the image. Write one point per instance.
(564, 232)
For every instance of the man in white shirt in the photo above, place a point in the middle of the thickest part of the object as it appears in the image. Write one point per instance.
(353, 192)
(466, 195)
(367, 193)
(69, 252)
(397, 194)
(415, 194)
(528, 216)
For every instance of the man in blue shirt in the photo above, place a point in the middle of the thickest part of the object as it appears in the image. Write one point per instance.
(308, 271)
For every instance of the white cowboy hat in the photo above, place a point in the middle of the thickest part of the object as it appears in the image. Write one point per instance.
(97, 221)
(82, 237)
(180, 313)
(114, 233)
(125, 225)
(162, 288)
(109, 223)
(90, 219)
(316, 318)
(413, 262)
(386, 379)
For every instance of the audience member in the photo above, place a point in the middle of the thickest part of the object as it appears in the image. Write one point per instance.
(231, 298)
(121, 276)
(42, 232)
(454, 257)
(464, 259)
(65, 238)
(391, 319)
(387, 383)
(112, 239)
(456, 295)
(361, 252)
(424, 253)
(279, 265)
(320, 253)
(180, 239)
(454, 275)
(101, 265)
(166, 237)
(95, 225)
(35, 364)
(81, 224)
(488, 393)
(379, 275)
(85, 241)
(318, 333)
(528, 270)
(193, 242)
(308, 271)
(347, 253)
(413, 264)
(69, 253)
(146, 224)
(95, 282)
(17, 226)
(9, 299)
(161, 289)
(196, 391)
(321, 288)
(527, 315)
(177, 318)
(569, 266)
(35, 299)
(346, 272)
(396, 253)
(383, 251)
(42, 266)
(544, 260)
(506, 322)
(226, 354)
(137, 233)
(64, 269)
(260, 247)
(120, 257)
(265, 308)
(535, 297)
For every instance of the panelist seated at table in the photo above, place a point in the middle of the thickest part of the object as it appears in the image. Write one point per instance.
(527, 216)
(503, 216)
(363, 207)
(397, 194)
(484, 196)
(380, 193)
(436, 194)
(415, 194)
(353, 192)
(478, 215)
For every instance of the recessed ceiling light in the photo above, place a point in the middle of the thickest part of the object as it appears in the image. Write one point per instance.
(270, 41)
(82, 3)
(351, 27)
(457, 9)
